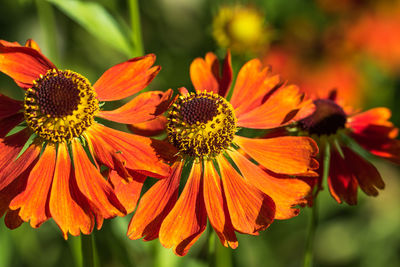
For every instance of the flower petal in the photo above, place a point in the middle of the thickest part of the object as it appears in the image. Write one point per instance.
(127, 78)
(366, 174)
(341, 181)
(128, 192)
(188, 219)
(146, 106)
(149, 128)
(23, 64)
(155, 205)
(278, 109)
(250, 209)
(285, 192)
(12, 219)
(286, 155)
(202, 73)
(138, 152)
(7, 124)
(93, 186)
(68, 215)
(215, 204)
(33, 201)
(9, 106)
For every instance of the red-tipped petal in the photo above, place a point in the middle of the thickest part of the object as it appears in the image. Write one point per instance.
(341, 181)
(250, 209)
(155, 205)
(366, 174)
(146, 106)
(374, 123)
(216, 207)
(92, 184)
(285, 155)
(12, 219)
(127, 78)
(139, 152)
(128, 192)
(23, 64)
(33, 201)
(68, 215)
(278, 109)
(285, 192)
(188, 219)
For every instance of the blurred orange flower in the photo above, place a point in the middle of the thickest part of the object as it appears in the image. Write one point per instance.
(224, 185)
(337, 126)
(51, 148)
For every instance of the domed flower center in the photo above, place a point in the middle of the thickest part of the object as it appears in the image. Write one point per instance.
(60, 105)
(201, 124)
(327, 118)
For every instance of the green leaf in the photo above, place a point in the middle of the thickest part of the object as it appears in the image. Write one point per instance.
(27, 144)
(96, 20)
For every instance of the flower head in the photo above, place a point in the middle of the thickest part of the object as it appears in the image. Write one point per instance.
(240, 28)
(51, 147)
(342, 133)
(240, 184)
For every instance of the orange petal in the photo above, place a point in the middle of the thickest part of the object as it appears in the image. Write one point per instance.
(23, 64)
(32, 44)
(93, 186)
(12, 219)
(128, 192)
(9, 106)
(250, 209)
(33, 201)
(374, 122)
(285, 192)
(15, 168)
(215, 204)
(149, 128)
(127, 78)
(146, 106)
(188, 219)
(138, 152)
(155, 205)
(252, 83)
(68, 215)
(366, 174)
(278, 109)
(286, 155)
(341, 181)
(202, 74)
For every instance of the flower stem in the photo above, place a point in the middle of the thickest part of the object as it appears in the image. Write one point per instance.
(136, 28)
(48, 25)
(309, 252)
(88, 250)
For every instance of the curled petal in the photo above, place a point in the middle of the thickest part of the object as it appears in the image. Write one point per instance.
(127, 78)
(12, 219)
(23, 64)
(250, 209)
(146, 106)
(188, 219)
(216, 207)
(33, 201)
(66, 212)
(285, 192)
(155, 205)
(286, 155)
(149, 128)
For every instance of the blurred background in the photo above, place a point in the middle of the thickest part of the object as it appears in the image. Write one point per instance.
(350, 45)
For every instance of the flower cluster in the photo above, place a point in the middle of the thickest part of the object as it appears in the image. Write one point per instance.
(57, 161)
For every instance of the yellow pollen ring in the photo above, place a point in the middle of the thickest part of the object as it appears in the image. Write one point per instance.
(201, 124)
(60, 105)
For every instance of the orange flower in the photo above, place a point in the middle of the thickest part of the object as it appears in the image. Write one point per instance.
(50, 168)
(372, 130)
(224, 185)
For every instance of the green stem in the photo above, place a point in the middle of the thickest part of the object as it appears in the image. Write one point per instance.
(211, 246)
(88, 250)
(309, 252)
(136, 28)
(223, 256)
(48, 25)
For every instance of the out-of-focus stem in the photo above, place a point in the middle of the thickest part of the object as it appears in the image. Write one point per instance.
(48, 25)
(136, 28)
